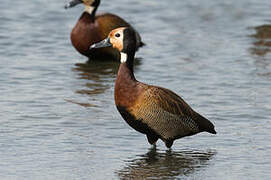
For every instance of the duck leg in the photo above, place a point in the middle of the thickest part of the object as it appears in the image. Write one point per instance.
(152, 139)
(169, 143)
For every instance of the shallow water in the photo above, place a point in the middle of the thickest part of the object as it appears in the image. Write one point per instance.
(57, 113)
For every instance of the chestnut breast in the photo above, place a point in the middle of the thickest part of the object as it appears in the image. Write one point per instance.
(126, 95)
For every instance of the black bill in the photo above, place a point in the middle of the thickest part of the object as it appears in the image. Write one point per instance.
(72, 3)
(103, 43)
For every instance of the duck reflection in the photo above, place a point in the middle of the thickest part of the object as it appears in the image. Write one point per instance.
(261, 48)
(165, 165)
(99, 75)
(262, 45)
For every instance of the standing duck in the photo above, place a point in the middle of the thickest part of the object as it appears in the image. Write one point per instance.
(92, 28)
(151, 110)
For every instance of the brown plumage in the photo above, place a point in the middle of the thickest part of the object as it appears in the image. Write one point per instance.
(92, 28)
(151, 110)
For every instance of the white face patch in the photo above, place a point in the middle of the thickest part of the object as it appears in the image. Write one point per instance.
(116, 38)
(123, 57)
(121, 35)
(89, 9)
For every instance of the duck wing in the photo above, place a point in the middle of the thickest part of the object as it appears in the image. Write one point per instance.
(168, 114)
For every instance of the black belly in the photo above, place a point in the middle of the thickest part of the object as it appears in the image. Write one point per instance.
(137, 124)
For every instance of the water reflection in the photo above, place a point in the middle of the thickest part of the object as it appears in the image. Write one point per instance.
(262, 45)
(165, 165)
(261, 48)
(99, 75)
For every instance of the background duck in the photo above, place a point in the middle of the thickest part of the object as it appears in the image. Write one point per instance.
(92, 28)
(151, 110)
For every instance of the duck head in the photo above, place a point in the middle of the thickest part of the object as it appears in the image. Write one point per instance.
(90, 5)
(123, 39)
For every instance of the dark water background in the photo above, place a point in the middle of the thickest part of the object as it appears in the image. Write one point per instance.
(57, 113)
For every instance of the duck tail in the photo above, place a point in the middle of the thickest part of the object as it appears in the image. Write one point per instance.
(205, 125)
(141, 44)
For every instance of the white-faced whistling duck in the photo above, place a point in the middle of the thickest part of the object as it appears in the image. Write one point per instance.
(92, 28)
(151, 110)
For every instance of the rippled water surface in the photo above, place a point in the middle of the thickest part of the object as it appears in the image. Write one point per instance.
(57, 113)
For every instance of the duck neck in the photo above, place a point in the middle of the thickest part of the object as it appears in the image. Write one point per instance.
(128, 61)
(126, 69)
(125, 85)
(91, 10)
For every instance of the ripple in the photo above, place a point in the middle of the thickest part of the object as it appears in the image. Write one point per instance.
(165, 165)
(58, 117)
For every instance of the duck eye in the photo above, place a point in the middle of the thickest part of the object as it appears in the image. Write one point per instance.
(117, 35)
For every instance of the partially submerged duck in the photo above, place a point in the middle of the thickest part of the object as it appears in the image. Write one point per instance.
(92, 28)
(155, 111)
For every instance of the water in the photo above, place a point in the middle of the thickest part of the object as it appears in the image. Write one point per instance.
(57, 113)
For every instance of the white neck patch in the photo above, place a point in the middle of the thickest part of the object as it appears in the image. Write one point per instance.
(89, 9)
(123, 57)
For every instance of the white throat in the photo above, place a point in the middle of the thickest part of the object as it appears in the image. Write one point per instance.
(123, 57)
(89, 9)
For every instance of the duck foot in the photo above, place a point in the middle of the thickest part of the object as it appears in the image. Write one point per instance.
(169, 143)
(152, 139)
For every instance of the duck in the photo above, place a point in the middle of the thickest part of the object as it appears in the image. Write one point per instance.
(92, 28)
(157, 112)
